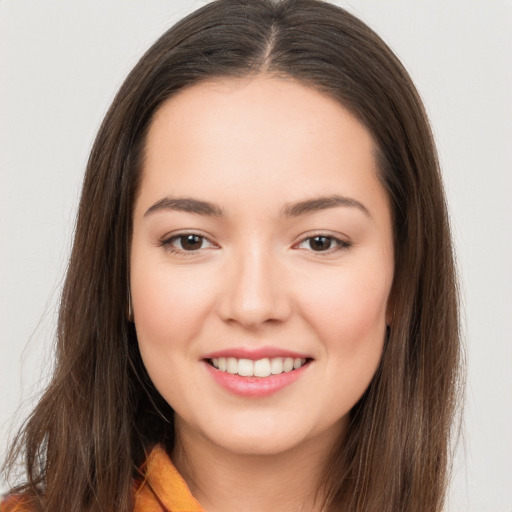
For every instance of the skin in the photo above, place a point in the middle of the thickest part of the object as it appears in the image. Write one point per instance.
(253, 147)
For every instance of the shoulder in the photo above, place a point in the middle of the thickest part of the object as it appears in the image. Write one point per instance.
(15, 503)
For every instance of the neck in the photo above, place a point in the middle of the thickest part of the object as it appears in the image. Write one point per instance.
(223, 481)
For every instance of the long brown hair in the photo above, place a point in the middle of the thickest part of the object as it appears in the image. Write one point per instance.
(100, 414)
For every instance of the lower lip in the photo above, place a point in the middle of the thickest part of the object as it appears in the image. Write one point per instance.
(255, 386)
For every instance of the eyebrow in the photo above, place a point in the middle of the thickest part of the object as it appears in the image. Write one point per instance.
(321, 203)
(191, 205)
(185, 204)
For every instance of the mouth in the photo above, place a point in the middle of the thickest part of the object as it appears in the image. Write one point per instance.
(256, 372)
(264, 367)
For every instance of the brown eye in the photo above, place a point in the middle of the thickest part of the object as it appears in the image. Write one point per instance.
(320, 243)
(187, 243)
(190, 242)
(323, 244)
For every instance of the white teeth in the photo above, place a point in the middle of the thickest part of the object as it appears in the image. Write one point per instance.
(276, 365)
(232, 365)
(260, 368)
(288, 364)
(245, 368)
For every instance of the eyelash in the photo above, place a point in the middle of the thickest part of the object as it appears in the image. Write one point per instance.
(340, 245)
(167, 243)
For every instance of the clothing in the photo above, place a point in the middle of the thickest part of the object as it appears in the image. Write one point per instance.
(13, 504)
(162, 490)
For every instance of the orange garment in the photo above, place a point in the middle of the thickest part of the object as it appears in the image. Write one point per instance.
(162, 490)
(13, 504)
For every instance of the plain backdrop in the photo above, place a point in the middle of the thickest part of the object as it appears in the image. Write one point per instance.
(60, 65)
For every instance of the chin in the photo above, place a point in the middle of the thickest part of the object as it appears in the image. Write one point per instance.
(259, 444)
(272, 437)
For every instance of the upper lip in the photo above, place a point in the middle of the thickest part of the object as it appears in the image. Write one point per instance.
(256, 353)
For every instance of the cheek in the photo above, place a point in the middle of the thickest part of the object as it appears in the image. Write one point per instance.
(169, 311)
(350, 305)
(168, 307)
(348, 313)
(350, 320)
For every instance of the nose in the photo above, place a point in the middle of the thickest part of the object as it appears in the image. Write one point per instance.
(254, 291)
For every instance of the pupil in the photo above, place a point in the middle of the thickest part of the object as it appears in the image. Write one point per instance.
(191, 242)
(320, 243)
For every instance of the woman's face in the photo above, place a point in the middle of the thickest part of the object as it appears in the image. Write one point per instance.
(262, 240)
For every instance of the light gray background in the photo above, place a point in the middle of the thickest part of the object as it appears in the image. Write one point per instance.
(60, 65)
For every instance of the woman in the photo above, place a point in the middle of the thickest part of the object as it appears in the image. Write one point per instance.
(261, 286)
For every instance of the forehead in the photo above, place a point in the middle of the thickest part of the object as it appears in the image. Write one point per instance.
(258, 106)
(260, 133)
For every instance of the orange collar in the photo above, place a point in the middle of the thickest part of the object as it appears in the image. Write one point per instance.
(163, 489)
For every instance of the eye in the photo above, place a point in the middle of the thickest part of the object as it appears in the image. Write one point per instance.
(187, 242)
(323, 243)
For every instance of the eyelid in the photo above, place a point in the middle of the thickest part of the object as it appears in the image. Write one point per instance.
(341, 242)
(166, 241)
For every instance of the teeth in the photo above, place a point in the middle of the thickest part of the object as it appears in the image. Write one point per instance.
(288, 365)
(232, 365)
(276, 365)
(260, 368)
(245, 367)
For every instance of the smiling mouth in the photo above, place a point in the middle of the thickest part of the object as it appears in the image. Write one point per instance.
(260, 368)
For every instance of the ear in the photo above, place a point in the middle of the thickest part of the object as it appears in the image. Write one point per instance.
(130, 309)
(390, 310)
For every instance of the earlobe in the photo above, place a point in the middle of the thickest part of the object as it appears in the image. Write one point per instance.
(130, 310)
(390, 312)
